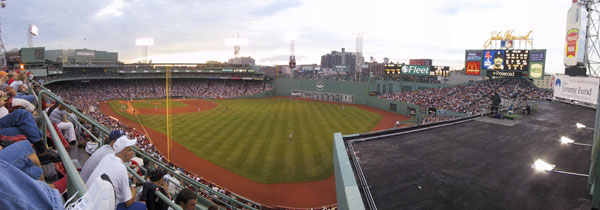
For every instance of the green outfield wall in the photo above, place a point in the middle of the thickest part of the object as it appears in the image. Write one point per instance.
(361, 95)
(358, 89)
(384, 87)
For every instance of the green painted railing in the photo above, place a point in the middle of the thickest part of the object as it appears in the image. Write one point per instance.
(197, 185)
(75, 181)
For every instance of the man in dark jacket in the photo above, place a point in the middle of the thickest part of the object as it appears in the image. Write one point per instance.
(495, 102)
(157, 183)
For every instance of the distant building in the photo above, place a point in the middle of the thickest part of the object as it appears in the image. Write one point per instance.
(386, 60)
(375, 69)
(341, 61)
(213, 62)
(543, 83)
(420, 62)
(242, 60)
(82, 57)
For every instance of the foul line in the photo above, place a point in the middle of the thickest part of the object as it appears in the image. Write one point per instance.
(143, 127)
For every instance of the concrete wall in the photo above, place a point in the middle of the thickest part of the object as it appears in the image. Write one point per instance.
(346, 188)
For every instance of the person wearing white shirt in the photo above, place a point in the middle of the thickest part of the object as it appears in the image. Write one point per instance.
(92, 162)
(113, 165)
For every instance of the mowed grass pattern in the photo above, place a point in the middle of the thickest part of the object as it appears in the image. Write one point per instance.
(156, 103)
(250, 137)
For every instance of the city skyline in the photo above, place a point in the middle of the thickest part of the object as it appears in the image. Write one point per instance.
(194, 32)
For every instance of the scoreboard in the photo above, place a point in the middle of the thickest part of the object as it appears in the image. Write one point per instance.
(393, 68)
(516, 60)
(506, 62)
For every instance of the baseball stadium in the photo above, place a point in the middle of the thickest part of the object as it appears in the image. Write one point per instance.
(238, 137)
(84, 129)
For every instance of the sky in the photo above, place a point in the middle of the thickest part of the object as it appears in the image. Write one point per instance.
(193, 31)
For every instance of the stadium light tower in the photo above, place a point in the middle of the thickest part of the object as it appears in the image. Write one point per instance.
(144, 43)
(32, 31)
(592, 44)
(292, 55)
(236, 42)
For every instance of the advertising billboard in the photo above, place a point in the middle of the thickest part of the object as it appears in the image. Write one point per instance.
(473, 55)
(537, 59)
(415, 70)
(576, 30)
(499, 73)
(473, 68)
(516, 60)
(473, 62)
(493, 59)
(340, 68)
(583, 89)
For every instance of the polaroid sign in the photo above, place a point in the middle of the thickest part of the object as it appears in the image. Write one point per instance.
(415, 70)
(583, 89)
(504, 74)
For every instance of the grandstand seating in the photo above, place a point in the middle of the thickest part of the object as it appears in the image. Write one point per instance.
(470, 99)
(83, 96)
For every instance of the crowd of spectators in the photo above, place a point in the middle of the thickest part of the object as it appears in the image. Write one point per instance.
(433, 119)
(115, 73)
(318, 75)
(470, 99)
(86, 95)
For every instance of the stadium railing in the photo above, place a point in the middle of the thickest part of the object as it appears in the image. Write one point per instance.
(231, 202)
(76, 183)
(224, 199)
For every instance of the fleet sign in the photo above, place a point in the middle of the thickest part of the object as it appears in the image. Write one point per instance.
(415, 70)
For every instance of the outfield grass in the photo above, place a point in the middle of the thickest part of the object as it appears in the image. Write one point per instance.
(251, 137)
(158, 103)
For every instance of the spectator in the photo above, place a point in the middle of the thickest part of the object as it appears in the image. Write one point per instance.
(92, 162)
(113, 165)
(157, 183)
(60, 117)
(21, 187)
(21, 122)
(186, 199)
(172, 183)
(19, 85)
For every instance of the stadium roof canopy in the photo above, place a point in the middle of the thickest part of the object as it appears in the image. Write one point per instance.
(482, 163)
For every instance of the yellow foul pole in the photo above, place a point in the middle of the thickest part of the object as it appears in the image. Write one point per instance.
(168, 101)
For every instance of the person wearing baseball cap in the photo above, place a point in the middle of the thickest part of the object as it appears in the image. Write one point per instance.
(113, 165)
(93, 161)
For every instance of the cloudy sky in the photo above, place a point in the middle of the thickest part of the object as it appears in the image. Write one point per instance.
(194, 30)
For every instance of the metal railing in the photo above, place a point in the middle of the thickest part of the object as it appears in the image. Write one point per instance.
(164, 198)
(74, 182)
(224, 199)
